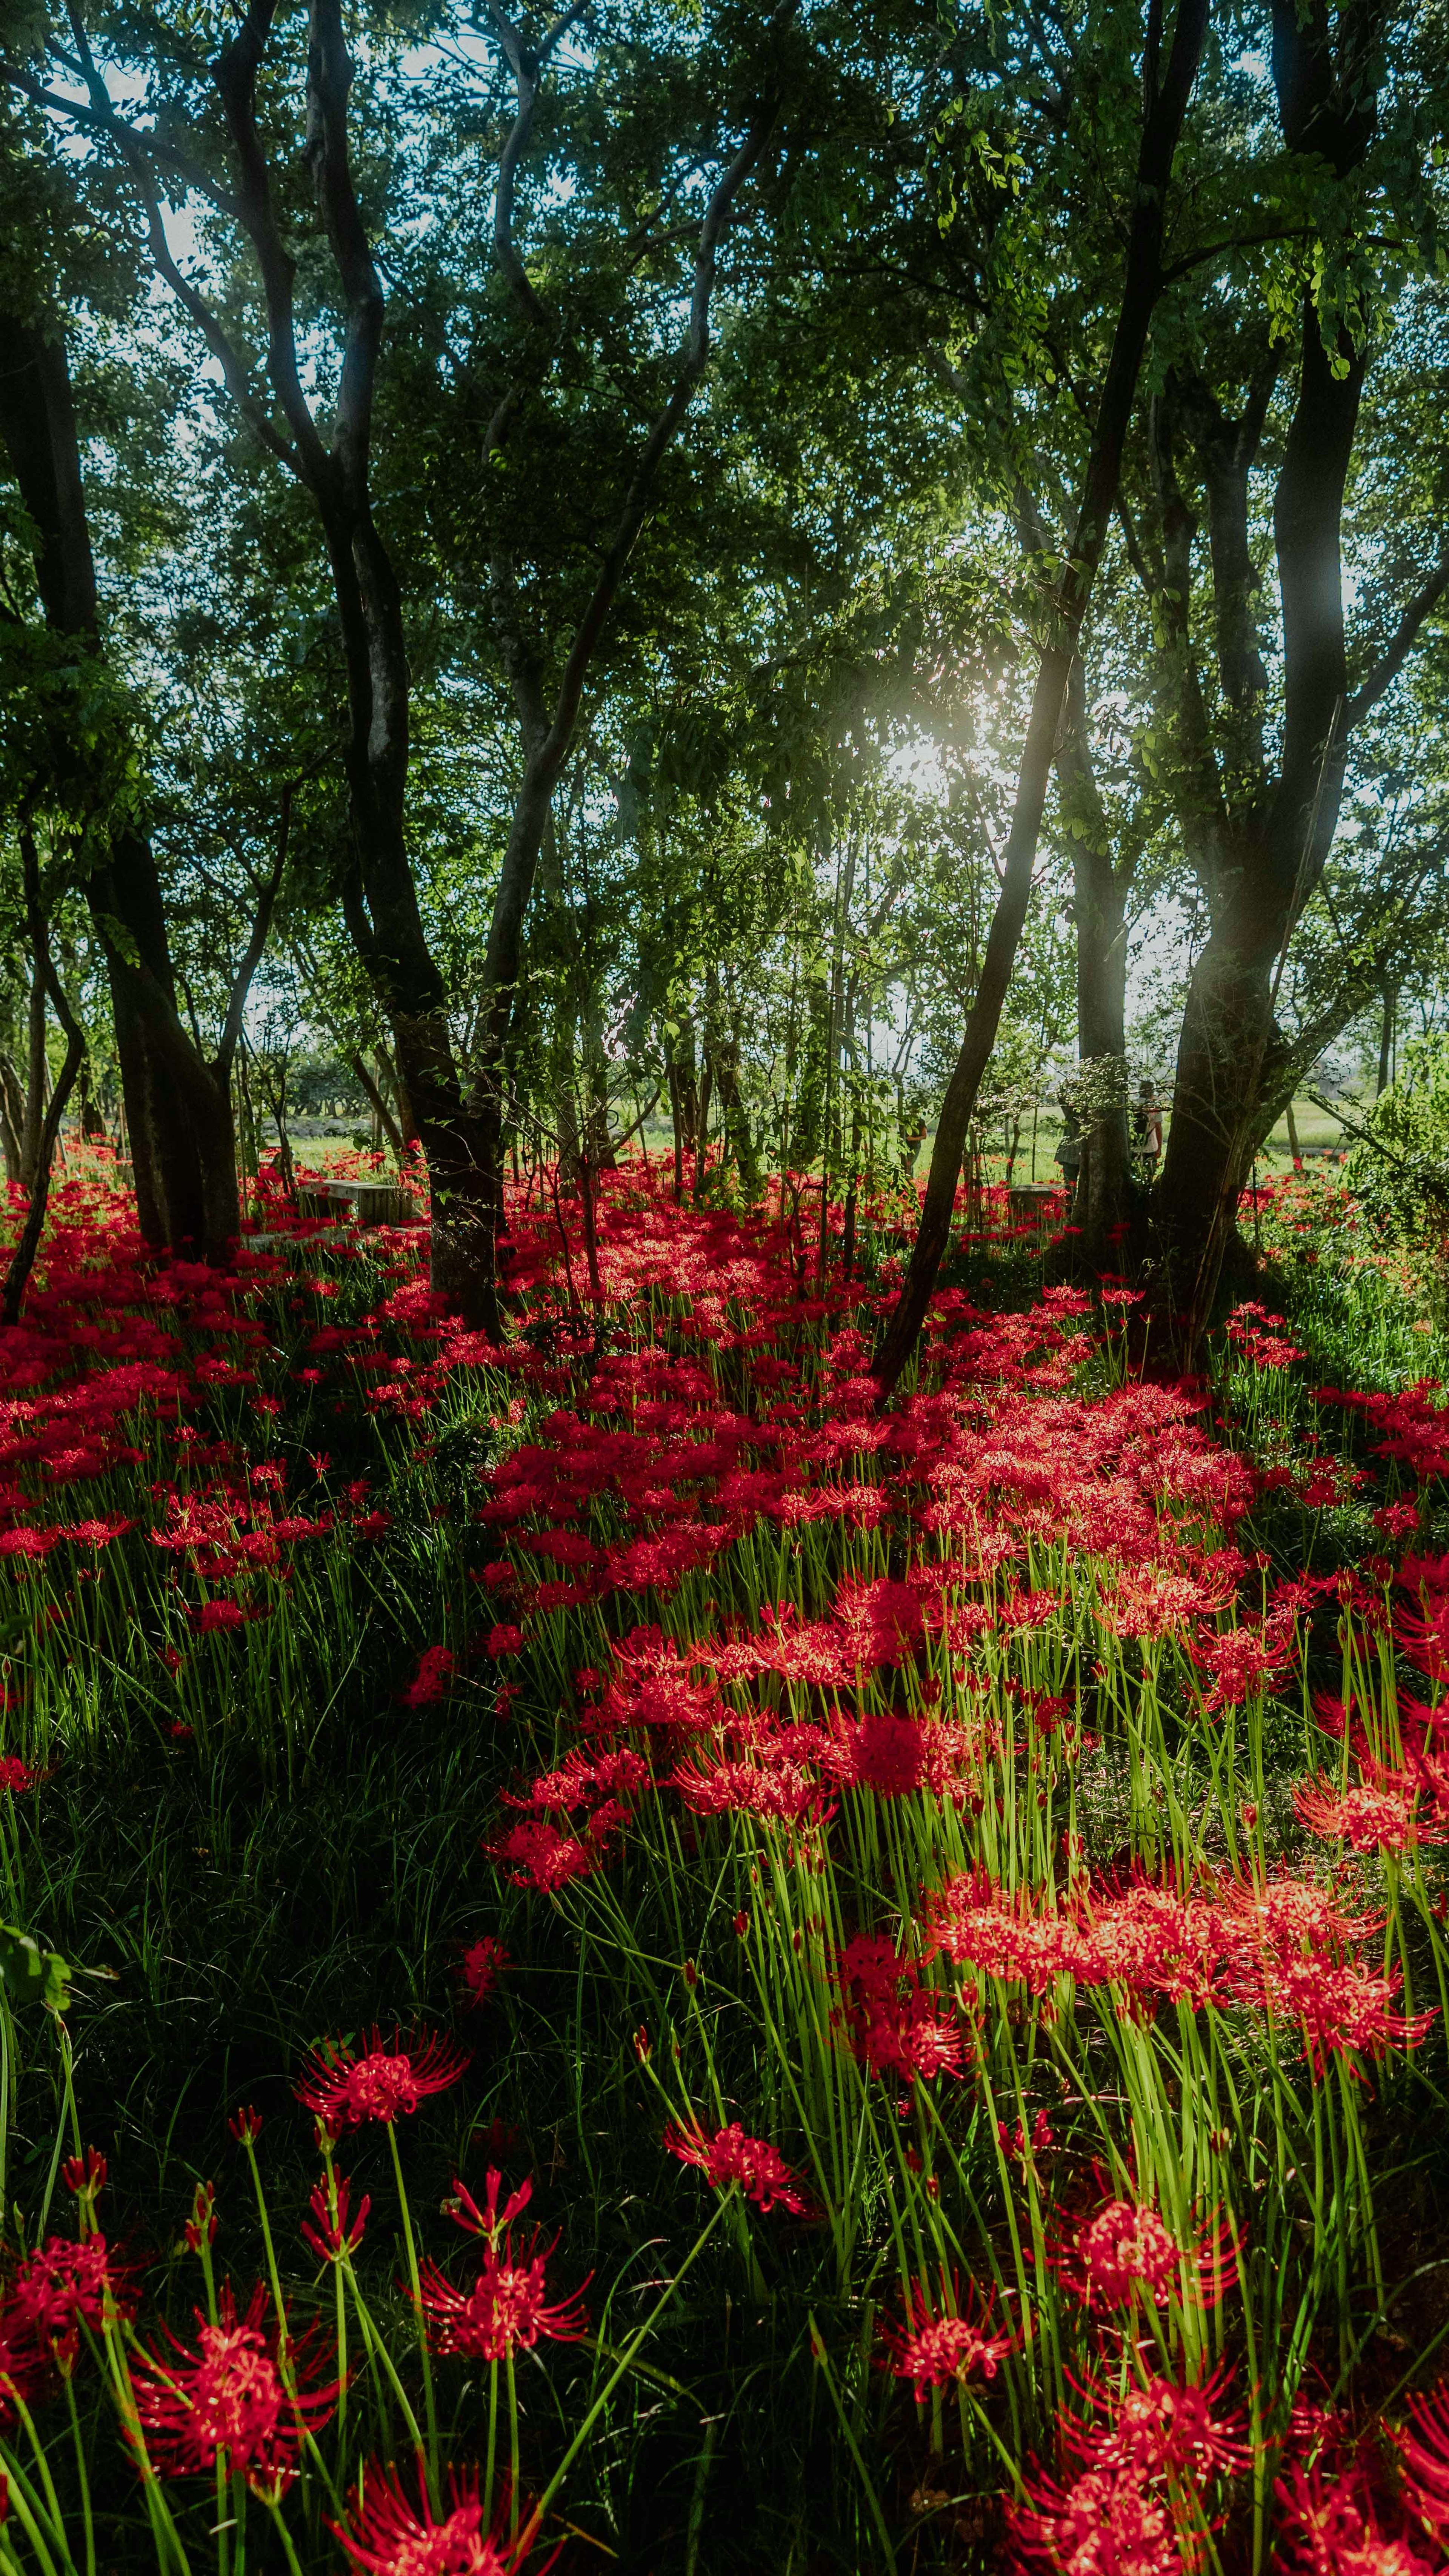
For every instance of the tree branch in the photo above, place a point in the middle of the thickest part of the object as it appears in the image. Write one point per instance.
(1391, 662)
(251, 957)
(23, 1257)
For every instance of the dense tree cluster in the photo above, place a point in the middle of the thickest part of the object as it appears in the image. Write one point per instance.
(738, 566)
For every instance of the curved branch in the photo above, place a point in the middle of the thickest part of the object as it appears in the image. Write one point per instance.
(1406, 635)
(23, 1257)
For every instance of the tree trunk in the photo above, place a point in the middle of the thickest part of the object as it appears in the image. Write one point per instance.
(383, 1122)
(35, 1078)
(182, 1150)
(1228, 1030)
(1166, 101)
(701, 1136)
(1386, 1039)
(676, 1117)
(1100, 1204)
(12, 1113)
(22, 1259)
(1273, 843)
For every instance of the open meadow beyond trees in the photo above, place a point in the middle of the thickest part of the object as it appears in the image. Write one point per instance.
(724, 1288)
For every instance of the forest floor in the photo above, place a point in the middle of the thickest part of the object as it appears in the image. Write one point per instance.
(630, 1954)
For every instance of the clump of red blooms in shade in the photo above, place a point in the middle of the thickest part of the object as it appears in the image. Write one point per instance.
(1140, 2467)
(387, 2534)
(65, 2283)
(332, 2231)
(895, 2027)
(904, 1683)
(1160, 2428)
(1107, 2522)
(960, 2344)
(730, 2157)
(506, 2309)
(481, 1967)
(227, 2401)
(1122, 2251)
(382, 2082)
(1331, 2523)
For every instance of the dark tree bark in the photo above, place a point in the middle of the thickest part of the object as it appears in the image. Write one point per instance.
(22, 1259)
(386, 1124)
(1259, 842)
(1099, 900)
(36, 1076)
(1166, 97)
(12, 1113)
(182, 1143)
(462, 1135)
(1389, 1000)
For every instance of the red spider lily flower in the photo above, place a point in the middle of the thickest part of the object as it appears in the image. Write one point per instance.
(1345, 2007)
(65, 2282)
(503, 1641)
(200, 2227)
(1243, 1661)
(506, 2308)
(481, 1967)
(85, 2175)
(1015, 2144)
(16, 1776)
(490, 2220)
(1108, 2523)
(23, 2375)
(729, 2156)
(1381, 1817)
(216, 1615)
(227, 2400)
(1332, 2529)
(1423, 2446)
(895, 2027)
(26, 1540)
(430, 1683)
(1162, 2428)
(386, 2534)
(245, 2125)
(332, 2236)
(382, 2084)
(932, 2351)
(1123, 2251)
(534, 1853)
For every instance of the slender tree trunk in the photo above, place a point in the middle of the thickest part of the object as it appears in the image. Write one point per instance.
(1099, 900)
(182, 1151)
(676, 1115)
(23, 1258)
(383, 1122)
(701, 1140)
(1228, 1032)
(36, 1070)
(1386, 1039)
(1273, 848)
(12, 1114)
(1166, 100)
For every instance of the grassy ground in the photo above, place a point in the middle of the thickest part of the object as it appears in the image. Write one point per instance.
(910, 1796)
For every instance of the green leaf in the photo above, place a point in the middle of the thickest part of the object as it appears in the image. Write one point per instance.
(30, 1975)
(120, 938)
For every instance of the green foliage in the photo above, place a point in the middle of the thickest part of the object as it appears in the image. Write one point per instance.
(1399, 1172)
(30, 1975)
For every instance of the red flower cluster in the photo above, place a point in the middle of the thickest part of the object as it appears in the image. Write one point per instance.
(382, 2084)
(227, 2400)
(960, 2344)
(730, 2157)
